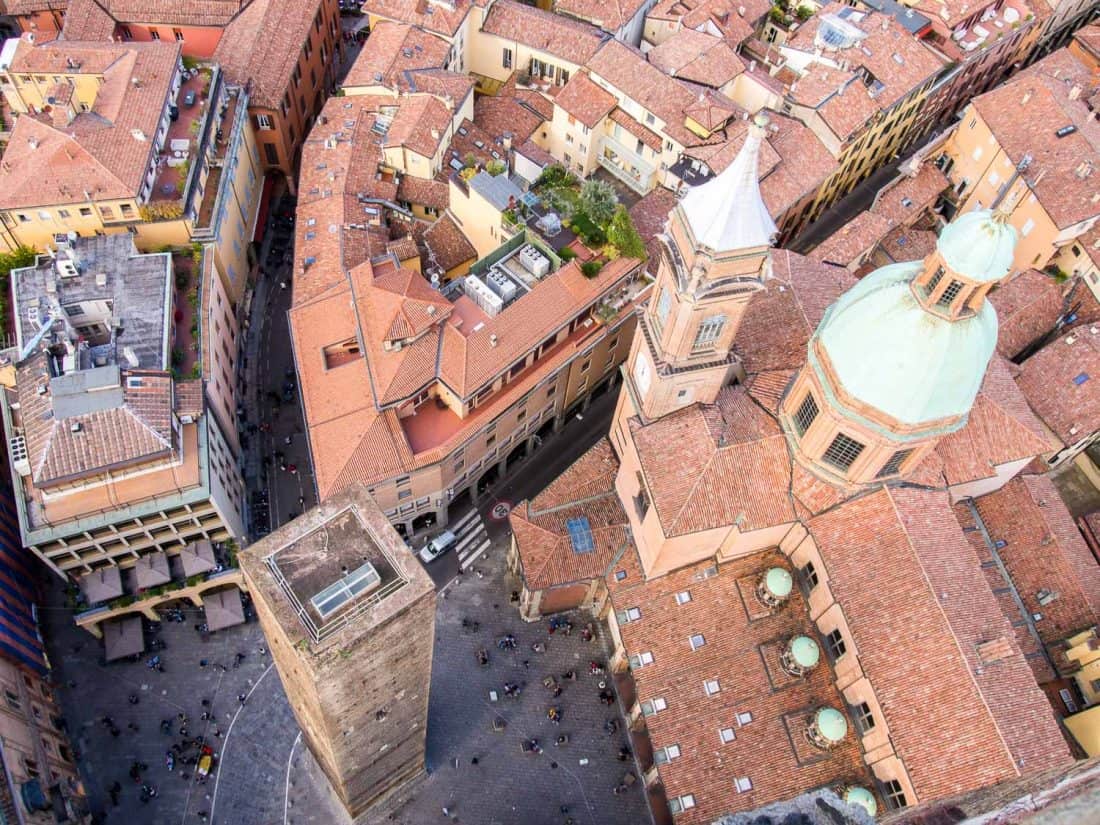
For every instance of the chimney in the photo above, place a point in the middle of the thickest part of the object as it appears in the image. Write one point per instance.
(32, 142)
(1026, 97)
(435, 134)
(1075, 92)
(493, 340)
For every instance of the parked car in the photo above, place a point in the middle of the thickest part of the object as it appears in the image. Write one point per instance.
(189, 98)
(438, 546)
(173, 112)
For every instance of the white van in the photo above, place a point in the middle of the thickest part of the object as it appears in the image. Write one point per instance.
(438, 546)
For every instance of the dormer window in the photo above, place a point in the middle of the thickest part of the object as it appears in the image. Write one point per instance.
(950, 294)
(891, 467)
(934, 281)
(843, 452)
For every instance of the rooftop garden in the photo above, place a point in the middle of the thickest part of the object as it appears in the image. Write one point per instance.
(592, 211)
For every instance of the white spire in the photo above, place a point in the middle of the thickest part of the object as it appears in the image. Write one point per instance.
(727, 212)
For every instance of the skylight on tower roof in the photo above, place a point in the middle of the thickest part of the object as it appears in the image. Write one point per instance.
(340, 592)
(580, 535)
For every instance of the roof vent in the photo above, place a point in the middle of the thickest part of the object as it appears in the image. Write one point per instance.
(826, 728)
(75, 427)
(101, 279)
(800, 655)
(137, 134)
(493, 340)
(42, 389)
(774, 587)
(32, 142)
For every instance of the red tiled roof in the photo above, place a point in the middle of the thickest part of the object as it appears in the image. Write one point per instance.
(1028, 307)
(909, 196)
(586, 101)
(743, 641)
(852, 240)
(568, 39)
(98, 152)
(447, 245)
(420, 125)
(1062, 384)
(633, 127)
(918, 608)
(433, 193)
(1030, 128)
(711, 466)
(1043, 551)
(441, 18)
(585, 489)
(391, 51)
(609, 15)
(699, 57)
(262, 44)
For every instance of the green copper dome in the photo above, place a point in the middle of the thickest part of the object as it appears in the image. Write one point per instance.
(889, 352)
(805, 651)
(979, 245)
(831, 724)
(778, 581)
(857, 795)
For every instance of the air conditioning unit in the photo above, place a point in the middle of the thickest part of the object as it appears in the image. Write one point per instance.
(67, 268)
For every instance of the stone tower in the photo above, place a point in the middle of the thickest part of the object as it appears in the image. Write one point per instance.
(898, 359)
(714, 258)
(349, 615)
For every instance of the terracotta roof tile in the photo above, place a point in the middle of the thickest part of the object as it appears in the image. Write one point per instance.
(1044, 551)
(907, 244)
(394, 51)
(1031, 128)
(551, 33)
(955, 724)
(515, 114)
(699, 57)
(433, 193)
(262, 44)
(97, 152)
(910, 196)
(853, 240)
(188, 398)
(609, 15)
(706, 467)
(743, 641)
(441, 18)
(1062, 384)
(420, 125)
(585, 101)
(1028, 307)
(447, 245)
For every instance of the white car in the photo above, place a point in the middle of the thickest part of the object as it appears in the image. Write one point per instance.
(438, 546)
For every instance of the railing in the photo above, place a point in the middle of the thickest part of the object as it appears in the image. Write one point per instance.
(190, 588)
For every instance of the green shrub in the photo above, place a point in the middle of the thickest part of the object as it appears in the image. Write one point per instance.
(591, 268)
(495, 167)
(622, 234)
(566, 254)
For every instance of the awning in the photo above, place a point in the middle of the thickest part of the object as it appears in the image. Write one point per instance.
(101, 585)
(223, 609)
(123, 637)
(152, 570)
(197, 558)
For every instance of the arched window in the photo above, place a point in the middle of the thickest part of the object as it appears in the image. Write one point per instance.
(664, 304)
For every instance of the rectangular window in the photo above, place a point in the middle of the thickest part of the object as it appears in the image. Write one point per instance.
(949, 294)
(843, 452)
(892, 466)
(125, 33)
(934, 281)
(153, 33)
(809, 575)
(807, 412)
(709, 331)
(727, 735)
(654, 705)
(271, 153)
(834, 643)
(631, 614)
(127, 210)
(178, 35)
(64, 213)
(666, 754)
(404, 494)
(712, 686)
(664, 304)
(894, 795)
(1025, 230)
(683, 597)
(697, 641)
(13, 700)
(641, 659)
(680, 804)
(85, 212)
(865, 720)
(744, 718)
(743, 784)
(506, 59)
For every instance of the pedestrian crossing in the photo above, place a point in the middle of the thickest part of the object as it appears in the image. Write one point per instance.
(473, 539)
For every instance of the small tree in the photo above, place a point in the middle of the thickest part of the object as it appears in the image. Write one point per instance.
(598, 200)
(495, 167)
(591, 269)
(18, 259)
(624, 236)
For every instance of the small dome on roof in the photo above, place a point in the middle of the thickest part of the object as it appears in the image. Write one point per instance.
(805, 651)
(979, 245)
(858, 795)
(831, 724)
(778, 581)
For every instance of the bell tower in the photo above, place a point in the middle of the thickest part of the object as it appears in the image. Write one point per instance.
(714, 258)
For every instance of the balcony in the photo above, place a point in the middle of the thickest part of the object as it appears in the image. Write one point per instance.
(993, 24)
(626, 165)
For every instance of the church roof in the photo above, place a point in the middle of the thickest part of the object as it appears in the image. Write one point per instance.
(727, 212)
